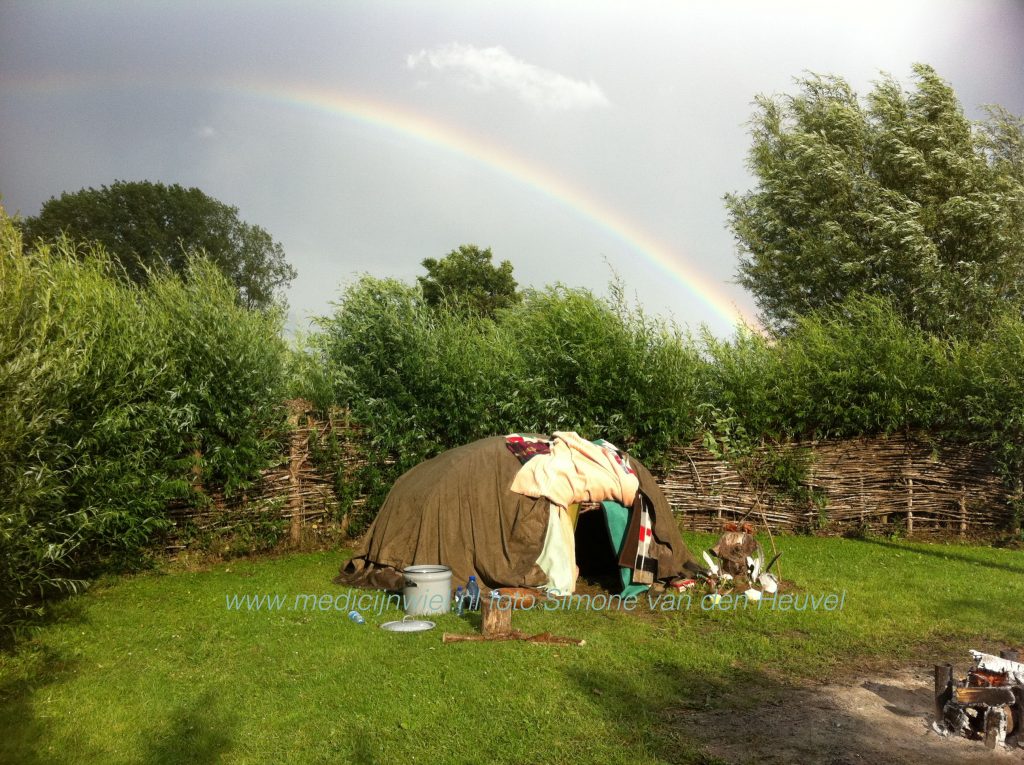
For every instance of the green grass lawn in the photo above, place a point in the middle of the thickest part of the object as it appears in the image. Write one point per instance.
(156, 669)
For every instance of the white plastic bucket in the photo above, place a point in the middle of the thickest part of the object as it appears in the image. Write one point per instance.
(427, 590)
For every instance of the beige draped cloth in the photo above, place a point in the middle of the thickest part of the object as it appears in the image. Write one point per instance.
(576, 470)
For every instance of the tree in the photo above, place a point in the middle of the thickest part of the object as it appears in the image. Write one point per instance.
(900, 196)
(467, 279)
(149, 227)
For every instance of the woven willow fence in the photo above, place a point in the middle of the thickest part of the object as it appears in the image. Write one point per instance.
(894, 484)
(296, 489)
(883, 485)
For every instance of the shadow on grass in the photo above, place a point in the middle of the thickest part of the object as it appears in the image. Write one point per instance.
(35, 667)
(737, 716)
(651, 720)
(944, 553)
(63, 609)
(26, 730)
(199, 732)
(363, 751)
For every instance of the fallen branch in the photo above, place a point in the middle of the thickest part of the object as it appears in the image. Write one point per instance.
(543, 637)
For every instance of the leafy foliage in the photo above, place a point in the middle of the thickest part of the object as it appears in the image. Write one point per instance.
(852, 369)
(423, 378)
(605, 368)
(229, 369)
(466, 279)
(149, 227)
(113, 401)
(900, 196)
(984, 397)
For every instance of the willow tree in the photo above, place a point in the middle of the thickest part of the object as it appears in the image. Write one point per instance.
(898, 194)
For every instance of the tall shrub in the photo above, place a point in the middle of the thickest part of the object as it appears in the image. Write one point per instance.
(107, 392)
(854, 369)
(85, 424)
(426, 378)
(229, 367)
(858, 368)
(984, 396)
(605, 368)
(421, 378)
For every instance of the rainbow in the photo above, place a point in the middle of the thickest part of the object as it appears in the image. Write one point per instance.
(397, 120)
(408, 124)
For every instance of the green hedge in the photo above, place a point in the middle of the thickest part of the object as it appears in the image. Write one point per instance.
(858, 369)
(424, 379)
(113, 400)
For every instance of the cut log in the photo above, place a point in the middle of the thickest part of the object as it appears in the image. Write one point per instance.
(521, 598)
(497, 617)
(993, 697)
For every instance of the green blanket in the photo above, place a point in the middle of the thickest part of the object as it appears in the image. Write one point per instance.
(616, 517)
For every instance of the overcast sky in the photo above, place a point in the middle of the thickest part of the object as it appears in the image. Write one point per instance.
(572, 138)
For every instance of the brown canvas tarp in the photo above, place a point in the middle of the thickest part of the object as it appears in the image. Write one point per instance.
(457, 510)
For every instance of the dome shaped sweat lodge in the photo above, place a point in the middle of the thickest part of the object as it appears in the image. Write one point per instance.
(458, 510)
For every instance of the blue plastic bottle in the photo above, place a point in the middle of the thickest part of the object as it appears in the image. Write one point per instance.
(356, 617)
(457, 605)
(473, 591)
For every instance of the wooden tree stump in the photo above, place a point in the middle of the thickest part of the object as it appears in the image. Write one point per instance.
(496, 624)
(497, 617)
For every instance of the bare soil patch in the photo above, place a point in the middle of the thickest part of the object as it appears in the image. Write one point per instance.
(880, 719)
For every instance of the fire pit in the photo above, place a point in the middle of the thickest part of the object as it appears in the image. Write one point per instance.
(988, 704)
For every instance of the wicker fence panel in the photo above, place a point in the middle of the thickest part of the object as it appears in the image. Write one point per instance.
(879, 484)
(899, 483)
(294, 489)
